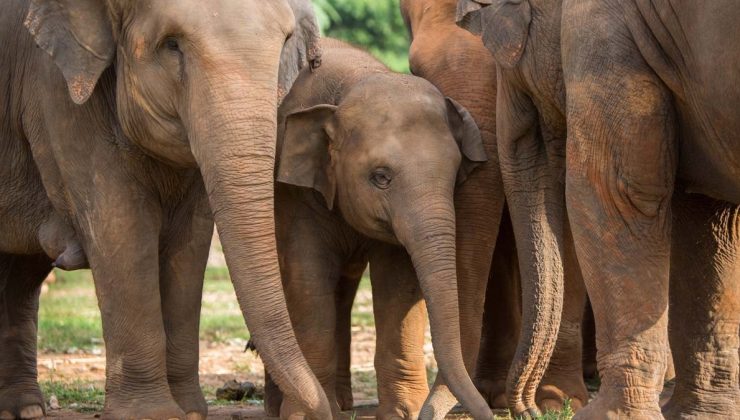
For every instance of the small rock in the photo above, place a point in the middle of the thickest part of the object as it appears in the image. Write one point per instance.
(54, 403)
(74, 405)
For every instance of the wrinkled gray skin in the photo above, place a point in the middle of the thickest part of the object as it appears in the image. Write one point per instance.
(531, 134)
(368, 163)
(126, 128)
(652, 185)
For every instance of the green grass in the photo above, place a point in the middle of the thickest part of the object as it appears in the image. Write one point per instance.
(69, 318)
(80, 396)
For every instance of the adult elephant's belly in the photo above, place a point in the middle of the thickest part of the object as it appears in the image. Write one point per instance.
(24, 205)
(709, 159)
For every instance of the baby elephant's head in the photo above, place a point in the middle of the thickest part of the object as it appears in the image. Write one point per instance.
(388, 156)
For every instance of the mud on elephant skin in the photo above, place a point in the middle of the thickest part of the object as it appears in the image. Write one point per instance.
(367, 168)
(126, 128)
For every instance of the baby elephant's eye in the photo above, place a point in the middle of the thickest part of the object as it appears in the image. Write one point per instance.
(381, 178)
(171, 44)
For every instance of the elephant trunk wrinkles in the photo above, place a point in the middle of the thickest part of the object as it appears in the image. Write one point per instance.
(234, 144)
(431, 244)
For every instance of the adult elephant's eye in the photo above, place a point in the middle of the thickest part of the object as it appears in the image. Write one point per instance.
(381, 178)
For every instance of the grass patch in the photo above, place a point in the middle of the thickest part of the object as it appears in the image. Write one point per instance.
(83, 397)
(69, 317)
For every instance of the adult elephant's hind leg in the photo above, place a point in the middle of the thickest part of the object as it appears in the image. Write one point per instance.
(705, 308)
(183, 262)
(20, 281)
(620, 173)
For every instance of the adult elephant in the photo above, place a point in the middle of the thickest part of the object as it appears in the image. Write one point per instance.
(654, 182)
(531, 133)
(461, 66)
(116, 134)
(638, 74)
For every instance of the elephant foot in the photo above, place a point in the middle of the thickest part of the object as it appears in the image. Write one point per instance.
(190, 399)
(292, 411)
(702, 406)
(555, 390)
(345, 399)
(149, 411)
(395, 414)
(494, 392)
(21, 402)
(610, 404)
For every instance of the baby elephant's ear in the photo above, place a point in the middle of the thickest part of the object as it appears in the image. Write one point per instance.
(468, 138)
(305, 158)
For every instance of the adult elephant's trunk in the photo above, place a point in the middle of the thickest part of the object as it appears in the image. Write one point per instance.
(429, 237)
(233, 140)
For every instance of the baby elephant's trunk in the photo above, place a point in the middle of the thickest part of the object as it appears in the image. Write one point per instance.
(429, 237)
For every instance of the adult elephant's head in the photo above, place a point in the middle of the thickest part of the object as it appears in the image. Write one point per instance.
(197, 85)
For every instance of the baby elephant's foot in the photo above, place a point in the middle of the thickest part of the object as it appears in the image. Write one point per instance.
(345, 398)
(21, 402)
(493, 391)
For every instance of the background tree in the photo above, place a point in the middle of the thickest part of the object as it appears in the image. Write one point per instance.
(374, 25)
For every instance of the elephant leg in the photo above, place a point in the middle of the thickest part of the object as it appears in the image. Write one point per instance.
(345, 297)
(502, 319)
(563, 379)
(183, 264)
(705, 308)
(273, 397)
(400, 321)
(310, 273)
(122, 245)
(20, 285)
(588, 331)
(621, 165)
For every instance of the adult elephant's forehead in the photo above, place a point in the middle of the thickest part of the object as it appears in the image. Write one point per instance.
(216, 17)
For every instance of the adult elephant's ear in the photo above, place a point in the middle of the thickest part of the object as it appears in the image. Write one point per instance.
(302, 48)
(305, 156)
(503, 25)
(77, 35)
(468, 138)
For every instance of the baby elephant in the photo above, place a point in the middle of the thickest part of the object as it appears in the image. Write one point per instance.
(368, 163)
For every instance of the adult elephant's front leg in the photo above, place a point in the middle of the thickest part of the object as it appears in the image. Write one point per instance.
(183, 264)
(122, 232)
(621, 166)
(400, 320)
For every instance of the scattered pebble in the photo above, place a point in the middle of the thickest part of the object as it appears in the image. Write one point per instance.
(54, 403)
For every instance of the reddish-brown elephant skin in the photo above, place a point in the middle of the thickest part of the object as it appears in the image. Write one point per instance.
(459, 64)
(367, 166)
(126, 128)
(652, 182)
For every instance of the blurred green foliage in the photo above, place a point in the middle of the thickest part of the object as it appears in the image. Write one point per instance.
(374, 25)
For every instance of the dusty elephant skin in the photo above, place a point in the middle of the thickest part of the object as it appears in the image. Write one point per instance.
(367, 166)
(459, 64)
(531, 135)
(653, 187)
(640, 76)
(125, 126)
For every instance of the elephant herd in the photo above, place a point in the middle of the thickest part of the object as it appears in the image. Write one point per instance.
(542, 151)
